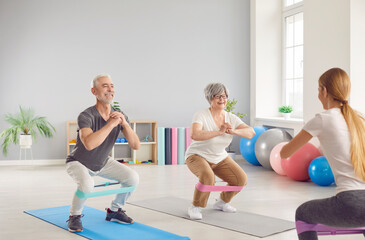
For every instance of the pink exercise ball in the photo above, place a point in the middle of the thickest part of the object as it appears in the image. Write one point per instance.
(296, 166)
(275, 159)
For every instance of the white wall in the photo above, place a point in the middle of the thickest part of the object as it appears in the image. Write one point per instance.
(326, 45)
(266, 48)
(333, 41)
(160, 54)
(357, 59)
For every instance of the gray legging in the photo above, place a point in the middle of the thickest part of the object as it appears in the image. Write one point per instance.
(346, 209)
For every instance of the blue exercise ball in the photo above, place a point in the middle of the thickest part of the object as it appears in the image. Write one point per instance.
(247, 146)
(320, 172)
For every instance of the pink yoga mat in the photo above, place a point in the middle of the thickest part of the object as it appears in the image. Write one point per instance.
(187, 137)
(174, 146)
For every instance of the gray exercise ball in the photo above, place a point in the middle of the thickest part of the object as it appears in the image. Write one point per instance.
(266, 142)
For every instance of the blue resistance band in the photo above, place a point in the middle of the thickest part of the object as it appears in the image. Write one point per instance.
(81, 194)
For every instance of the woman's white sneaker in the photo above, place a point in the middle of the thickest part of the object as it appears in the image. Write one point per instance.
(195, 213)
(223, 206)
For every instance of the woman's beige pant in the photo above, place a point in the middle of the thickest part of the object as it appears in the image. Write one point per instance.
(227, 170)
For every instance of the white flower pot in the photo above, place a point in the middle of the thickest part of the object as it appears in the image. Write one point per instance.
(25, 141)
(286, 115)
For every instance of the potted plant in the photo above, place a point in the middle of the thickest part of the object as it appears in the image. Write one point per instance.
(286, 111)
(24, 128)
(231, 104)
(116, 106)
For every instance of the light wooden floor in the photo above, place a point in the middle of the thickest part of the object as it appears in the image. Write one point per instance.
(33, 187)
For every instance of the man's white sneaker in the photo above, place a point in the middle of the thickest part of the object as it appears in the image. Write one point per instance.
(195, 213)
(223, 206)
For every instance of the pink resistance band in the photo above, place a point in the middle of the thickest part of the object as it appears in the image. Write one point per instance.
(209, 188)
(326, 230)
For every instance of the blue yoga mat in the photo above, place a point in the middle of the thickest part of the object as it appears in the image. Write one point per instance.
(161, 146)
(181, 146)
(96, 227)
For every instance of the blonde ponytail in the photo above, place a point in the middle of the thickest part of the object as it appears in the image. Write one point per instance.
(338, 85)
(356, 126)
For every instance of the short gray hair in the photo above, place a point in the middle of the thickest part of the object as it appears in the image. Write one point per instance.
(213, 89)
(94, 82)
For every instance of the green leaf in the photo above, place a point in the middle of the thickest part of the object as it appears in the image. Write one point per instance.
(231, 106)
(116, 106)
(285, 109)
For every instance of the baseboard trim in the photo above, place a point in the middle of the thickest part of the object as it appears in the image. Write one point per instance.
(51, 162)
(32, 162)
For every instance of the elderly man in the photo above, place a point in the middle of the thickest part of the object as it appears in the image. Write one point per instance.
(98, 129)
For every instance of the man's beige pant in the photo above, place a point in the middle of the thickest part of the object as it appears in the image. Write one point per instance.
(227, 170)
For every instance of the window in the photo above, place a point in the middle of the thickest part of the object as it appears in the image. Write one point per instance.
(288, 3)
(293, 56)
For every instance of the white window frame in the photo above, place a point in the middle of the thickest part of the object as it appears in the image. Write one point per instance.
(287, 12)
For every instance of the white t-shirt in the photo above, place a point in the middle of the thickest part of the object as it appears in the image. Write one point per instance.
(214, 149)
(331, 129)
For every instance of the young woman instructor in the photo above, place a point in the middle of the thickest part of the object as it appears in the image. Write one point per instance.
(341, 132)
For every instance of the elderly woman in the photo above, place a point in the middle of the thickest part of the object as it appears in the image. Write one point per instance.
(212, 131)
